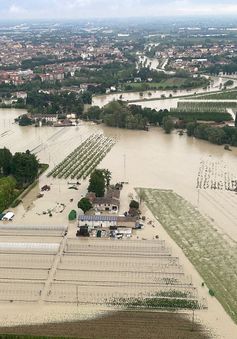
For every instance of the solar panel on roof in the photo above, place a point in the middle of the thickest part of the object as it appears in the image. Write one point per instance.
(97, 218)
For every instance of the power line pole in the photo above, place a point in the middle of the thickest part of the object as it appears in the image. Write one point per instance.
(124, 164)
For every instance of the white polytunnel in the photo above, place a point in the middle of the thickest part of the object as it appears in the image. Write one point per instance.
(34, 227)
(29, 246)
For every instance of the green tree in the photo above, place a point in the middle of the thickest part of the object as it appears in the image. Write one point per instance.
(114, 114)
(5, 162)
(72, 215)
(190, 128)
(201, 131)
(134, 204)
(229, 83)
(216, 136)
(93, 113)
(7, 187)
(107, 176)
(84, 204)
(24, 120)
(24, 168)
(86, 97)
(97, 183)
(168, 124)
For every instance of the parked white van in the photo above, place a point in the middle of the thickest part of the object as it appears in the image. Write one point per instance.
(8, 216)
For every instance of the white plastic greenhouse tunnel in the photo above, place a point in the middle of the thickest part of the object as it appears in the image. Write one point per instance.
(29, 246)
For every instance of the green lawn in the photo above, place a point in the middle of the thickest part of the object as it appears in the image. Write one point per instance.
(206, 106)
(173, 82)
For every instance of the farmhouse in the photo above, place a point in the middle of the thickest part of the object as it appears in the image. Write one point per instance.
(108, 203)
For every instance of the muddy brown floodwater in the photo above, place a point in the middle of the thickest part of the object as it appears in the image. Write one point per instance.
(144, 159)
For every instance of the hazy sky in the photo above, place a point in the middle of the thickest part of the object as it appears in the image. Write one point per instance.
(65, 9)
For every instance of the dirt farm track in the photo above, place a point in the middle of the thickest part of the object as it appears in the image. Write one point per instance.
(120, 325)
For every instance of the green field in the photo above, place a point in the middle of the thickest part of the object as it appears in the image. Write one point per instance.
(189, 116)
(214, 257)
(224, 95)
(148, 85)
(172, 82)
(206, 106)
(164, 84)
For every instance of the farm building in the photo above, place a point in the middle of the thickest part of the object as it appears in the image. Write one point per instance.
(106, 221)
(97, 221)
(109, 203)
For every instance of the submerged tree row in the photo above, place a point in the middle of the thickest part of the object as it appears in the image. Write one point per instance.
(84, 159)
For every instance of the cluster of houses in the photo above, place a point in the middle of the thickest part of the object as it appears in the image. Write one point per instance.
(54, 120)
(17, 77)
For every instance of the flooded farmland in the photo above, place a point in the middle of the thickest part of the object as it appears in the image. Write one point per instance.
(144, 159)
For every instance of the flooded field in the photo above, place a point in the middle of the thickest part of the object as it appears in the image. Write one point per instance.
(144, 159)
(214, 256)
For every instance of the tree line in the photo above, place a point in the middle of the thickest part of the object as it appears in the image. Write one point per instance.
(120, 114)
(215, 135)
(16, 172)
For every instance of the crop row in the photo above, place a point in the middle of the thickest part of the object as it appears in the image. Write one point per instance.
(224, 95)
(213, 255)
(208, 106)
(79, 157)
(156, 303)
(189, 116)
(84, 159)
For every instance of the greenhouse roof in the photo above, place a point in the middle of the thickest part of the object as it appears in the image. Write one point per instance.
(51, 247)
(34, 227)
